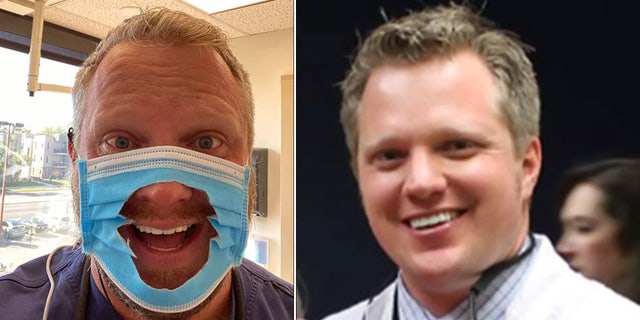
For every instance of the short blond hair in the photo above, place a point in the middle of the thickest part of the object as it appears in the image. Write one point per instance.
(161, 26)
(440, 32)
(164, 27)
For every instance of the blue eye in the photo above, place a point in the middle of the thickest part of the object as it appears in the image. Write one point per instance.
(459, 145)
(206, 142)
(121, 142)
(459, 148)
(389, 155)
(388, 159)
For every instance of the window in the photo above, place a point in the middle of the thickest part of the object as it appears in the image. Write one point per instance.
(38, 214)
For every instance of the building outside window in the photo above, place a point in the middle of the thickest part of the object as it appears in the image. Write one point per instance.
(37, 183)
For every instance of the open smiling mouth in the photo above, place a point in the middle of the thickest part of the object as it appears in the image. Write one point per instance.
(435, 220)
(165, 240)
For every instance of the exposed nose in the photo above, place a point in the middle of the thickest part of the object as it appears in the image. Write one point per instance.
(565, 249)
(424, 176)
(164, 194)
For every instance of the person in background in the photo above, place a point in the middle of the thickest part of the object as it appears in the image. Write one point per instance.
(441, 116)
(162, 184)
(600, 216)
(301, 299)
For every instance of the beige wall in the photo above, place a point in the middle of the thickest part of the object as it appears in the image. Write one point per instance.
(286, 179)
(268, 57)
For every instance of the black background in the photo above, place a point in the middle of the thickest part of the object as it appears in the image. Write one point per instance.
(587, 60)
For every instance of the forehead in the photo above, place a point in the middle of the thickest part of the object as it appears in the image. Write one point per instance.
(165, 71)
(174, 77)
(584, 200)
(459, 85)
(462, 75)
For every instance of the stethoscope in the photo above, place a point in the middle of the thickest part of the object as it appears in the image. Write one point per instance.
(480, 285)
(81, 309)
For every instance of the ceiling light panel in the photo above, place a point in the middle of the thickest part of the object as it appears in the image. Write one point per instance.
(215, 6)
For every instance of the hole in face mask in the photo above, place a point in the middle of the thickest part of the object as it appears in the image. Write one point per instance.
(170, 244)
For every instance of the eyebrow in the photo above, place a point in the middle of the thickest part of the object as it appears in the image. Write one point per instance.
(576, 219)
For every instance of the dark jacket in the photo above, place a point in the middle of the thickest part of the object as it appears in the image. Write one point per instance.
(23, 293)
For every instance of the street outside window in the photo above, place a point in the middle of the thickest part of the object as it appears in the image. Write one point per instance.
(37, 212)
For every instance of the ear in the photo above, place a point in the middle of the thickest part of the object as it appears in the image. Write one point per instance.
(72, 151)
(531, 165)
(70, 148)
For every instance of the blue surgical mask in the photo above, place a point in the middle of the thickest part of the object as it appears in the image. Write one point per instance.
(107, 182)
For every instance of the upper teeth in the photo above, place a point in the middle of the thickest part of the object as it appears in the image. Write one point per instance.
(160, 231)
(434, 219)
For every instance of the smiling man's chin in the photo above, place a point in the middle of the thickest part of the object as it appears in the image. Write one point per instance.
(163, 278)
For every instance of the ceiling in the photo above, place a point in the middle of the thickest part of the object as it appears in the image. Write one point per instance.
(96, 18)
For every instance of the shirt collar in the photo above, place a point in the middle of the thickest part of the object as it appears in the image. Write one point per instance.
(98, 306)
(491, 303)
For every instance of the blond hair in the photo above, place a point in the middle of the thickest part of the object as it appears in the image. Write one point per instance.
(439, 32)
(161, 26)
(164, 27)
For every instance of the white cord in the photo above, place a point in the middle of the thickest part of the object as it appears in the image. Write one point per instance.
(45, 314)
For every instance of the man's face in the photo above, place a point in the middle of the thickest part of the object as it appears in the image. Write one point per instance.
(181, 96)
(442, 188)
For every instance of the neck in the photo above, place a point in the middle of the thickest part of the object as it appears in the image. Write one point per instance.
(440, 296)
(218, 306)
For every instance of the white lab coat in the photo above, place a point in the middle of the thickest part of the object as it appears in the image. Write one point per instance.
(551, 290)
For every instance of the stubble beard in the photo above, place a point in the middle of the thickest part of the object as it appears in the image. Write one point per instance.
(110, 286)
